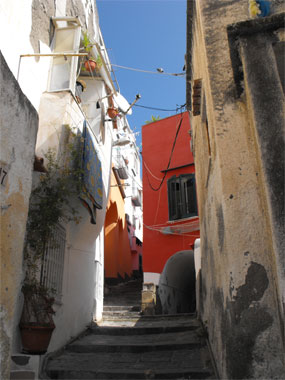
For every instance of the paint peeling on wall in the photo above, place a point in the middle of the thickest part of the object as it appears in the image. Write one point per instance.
(41, 29)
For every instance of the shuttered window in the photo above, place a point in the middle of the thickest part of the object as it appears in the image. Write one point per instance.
(182, 201)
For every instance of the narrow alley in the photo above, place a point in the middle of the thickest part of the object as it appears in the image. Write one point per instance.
(142, 189)
(127, 345)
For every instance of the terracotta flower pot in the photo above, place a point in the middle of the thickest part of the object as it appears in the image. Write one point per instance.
(112, 112)
(90, 65)
(35, 338)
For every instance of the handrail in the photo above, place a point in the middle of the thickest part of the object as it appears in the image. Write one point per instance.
(48, 55)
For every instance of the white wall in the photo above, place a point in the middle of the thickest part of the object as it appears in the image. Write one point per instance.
(82, 298)
(15, 28)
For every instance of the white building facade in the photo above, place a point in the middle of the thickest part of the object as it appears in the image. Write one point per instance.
(46, 51)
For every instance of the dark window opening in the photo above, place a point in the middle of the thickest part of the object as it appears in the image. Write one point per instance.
(182, 201)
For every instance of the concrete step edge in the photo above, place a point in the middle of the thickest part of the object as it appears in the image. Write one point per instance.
(133, 374)
(121, 307)
(143, 330)
(133, 347)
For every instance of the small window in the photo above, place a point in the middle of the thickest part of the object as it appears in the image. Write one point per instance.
(182, 197)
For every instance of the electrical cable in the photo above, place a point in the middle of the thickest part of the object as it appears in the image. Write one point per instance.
(148, 71)
(150, 172)
(161, 109)
(170, 157)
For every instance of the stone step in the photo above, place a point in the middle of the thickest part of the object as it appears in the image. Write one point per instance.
(119, 302)
(109, 315)
(142, 330)
(143, 318)
(120, 314)
(149, 320)
(176, 374)
(137, 343)
(116, 308)
(192, 364)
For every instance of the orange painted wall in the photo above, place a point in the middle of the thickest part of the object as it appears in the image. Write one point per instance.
(118, 259)
(157, 141)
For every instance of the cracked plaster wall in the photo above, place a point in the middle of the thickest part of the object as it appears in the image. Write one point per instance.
(19, 123)
(239, 292)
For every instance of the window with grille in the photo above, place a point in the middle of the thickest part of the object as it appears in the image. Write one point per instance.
(182, 201)
(53, 262)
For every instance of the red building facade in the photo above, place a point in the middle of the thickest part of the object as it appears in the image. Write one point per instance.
(171, 223)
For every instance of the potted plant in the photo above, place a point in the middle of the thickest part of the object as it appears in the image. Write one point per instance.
(36, 325)
(49, 205)
(112, 112)
(86, 42)
(91, 62)
(90, 65)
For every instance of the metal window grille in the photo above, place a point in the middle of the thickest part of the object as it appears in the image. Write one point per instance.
(53, 261)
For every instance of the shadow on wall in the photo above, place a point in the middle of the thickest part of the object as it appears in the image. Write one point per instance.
(176, 288)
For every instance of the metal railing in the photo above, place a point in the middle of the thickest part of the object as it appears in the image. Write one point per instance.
(53, 262)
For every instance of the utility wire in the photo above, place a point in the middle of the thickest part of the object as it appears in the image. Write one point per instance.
(161, 109)
(170, 158)
(149, 72)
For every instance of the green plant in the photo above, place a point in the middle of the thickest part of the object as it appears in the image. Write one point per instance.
(99, 61)
(88, 47)
(86, 42)
(49, 205)
(38, 305)
(153, 119)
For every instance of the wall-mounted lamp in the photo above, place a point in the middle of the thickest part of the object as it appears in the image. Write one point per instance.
(138, 96)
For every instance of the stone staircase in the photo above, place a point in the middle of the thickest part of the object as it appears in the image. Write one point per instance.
(126, 345)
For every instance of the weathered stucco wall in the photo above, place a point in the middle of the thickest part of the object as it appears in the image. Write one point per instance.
(240, 298)
(18, 128)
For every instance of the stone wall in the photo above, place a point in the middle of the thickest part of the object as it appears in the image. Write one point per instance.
(238, 145)
(19, 123)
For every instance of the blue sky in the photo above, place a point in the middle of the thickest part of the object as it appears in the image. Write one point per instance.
(146, 34)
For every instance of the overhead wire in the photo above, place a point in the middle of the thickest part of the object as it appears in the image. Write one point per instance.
(161, 109)
(150, 172)
(148, 71)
